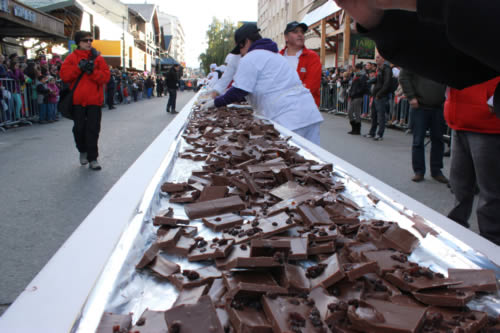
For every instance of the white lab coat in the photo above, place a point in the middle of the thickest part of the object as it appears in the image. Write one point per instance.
(232, 61)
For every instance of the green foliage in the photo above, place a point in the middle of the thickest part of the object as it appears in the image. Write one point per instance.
(220, 40)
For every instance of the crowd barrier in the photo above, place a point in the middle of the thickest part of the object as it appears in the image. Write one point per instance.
(18, 103)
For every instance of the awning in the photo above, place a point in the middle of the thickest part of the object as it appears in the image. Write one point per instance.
(19, 20)
(169, 61)
(323, 11)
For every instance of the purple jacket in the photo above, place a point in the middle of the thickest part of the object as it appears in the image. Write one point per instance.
(18, 77)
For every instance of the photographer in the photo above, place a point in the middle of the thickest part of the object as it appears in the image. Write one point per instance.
(88, 96)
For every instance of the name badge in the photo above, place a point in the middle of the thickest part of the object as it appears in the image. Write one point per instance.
(303, 70)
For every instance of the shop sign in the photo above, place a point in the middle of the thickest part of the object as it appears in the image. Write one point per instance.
(363, 47)
(24, 13)
(4, 6)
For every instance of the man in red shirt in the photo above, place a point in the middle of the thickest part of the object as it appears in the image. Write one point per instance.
(305, 61)
(88, 96)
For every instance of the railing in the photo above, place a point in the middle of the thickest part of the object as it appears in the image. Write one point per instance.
(17, 105)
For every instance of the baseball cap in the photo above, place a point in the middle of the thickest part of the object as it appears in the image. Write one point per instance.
(292, 25)
(243, 33)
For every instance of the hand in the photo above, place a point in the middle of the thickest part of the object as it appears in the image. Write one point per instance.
(414, 103)
(208, 105)
(90, 67)
(83, 64)
(213, 93)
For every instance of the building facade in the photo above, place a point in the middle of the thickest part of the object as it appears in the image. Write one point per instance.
(172, 27)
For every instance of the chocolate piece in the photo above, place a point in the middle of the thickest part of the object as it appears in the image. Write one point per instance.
(221, 222)
(380, 316)
(114, 323)
(248, 318)
(322, 300)
(291, 203)
(418, 278)
(314, 215)
(150, 322)
(183, 246)
(474, 279)
(251, 283)
(173, 187)
(323, 234)
(212, 250)
(212, 193)
(186, 197)
(190, 295)
(355, 250)
(298, 247)
(294, 278)
(148, 256)
(376, 287)
(240, 258)
(400, 239)
(194, 318)
(268, 247)
(346, 290)
(224, 320)
(387, 260)
(354, 271)
(189, 231)
(447, 320)
(444, 297)
(217, 291)
(201, 180)
(194, 278)
(289, 190)
(164, 267)
(331, 273)
(214, 207)
(288, 314)
(321, 247)
(169, 220)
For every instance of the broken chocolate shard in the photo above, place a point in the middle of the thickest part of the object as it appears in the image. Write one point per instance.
(314, 215)
(400, 239)
(194, 318)
(190, 295)
(444, 297)
(251, 283)
(220, 249)
(163, 267)
(173, 187)
(188, 279)
(221, 222)
(214, 207)
(331, 274)
(150, 322)
(482, 280)
(115, 323)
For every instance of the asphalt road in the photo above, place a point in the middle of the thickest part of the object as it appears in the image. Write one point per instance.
(45, 193)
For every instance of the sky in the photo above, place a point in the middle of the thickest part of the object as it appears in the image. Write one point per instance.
(196, 15)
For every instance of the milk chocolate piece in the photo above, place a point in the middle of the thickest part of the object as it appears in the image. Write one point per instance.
(294, 278)
(444, 297)
(268, 247)
(323, 234)
(354, 271)
(189, 231)
(321, 247)
(212, 250)
(376, 287)
(148, 256)
(173, 187)
(169, 220)
(185, 197)
(150, 322)
(164, 267)
(212, 193)
(240, 258)
(289, 190)
(474, 279)
(194, 278)
(387, 260)
(326, 273)
(183, 246)
(190, 295)
(447, 320)
(221, 222)
(214, 207)
(248, 319)
(385, 317)
(251, 283)
(322, 300)
(400, 239)
(194, 318)
(288, 314)
(355, 250)
(314, 215)
(298, 247)
(346, 290)
(418, 278)
(217, 291)
(291, 203)
(115, 323)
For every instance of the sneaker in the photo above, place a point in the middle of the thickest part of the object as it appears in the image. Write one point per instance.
(83, 159)
(94, 165)
(418, 178)
(369, 136)
(174, 111)
(441, 178)
(378, 138)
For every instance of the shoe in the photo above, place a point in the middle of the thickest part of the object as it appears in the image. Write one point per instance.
(418, 178)
(94, 165)
(447, 153)
(357, 129)
(174, 111)
(83, 159)
(378, 138)
(441, 178)
(369, 136)
(112, 108)
(353, 130)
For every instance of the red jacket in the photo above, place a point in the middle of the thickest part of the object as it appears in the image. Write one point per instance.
(467, 109)
(90, 89)
(309, 70)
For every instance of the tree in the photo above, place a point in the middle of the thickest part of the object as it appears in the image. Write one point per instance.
(220, 42)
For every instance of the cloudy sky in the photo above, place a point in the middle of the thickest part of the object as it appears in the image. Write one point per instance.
(196, 16)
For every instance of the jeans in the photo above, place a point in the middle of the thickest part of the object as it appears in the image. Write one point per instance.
(86, 129)
(171, 99)
(423, 119)
(379, 108)
(150, 92)
(474, 160)
(18, 105)
(51, 111)
(43, 112)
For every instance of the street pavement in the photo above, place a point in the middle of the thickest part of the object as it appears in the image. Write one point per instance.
(45, 193)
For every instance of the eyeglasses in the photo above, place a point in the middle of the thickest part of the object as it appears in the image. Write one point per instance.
(89, 40)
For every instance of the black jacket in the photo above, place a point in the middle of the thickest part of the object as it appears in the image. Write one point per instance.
(172, 79)
(383, 85)
(359, 86)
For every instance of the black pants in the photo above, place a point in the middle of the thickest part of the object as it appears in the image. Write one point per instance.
(171, 99)
(86, 128)
(379, 108)
(110, 98)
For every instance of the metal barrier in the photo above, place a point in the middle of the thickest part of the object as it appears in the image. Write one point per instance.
(17, 105)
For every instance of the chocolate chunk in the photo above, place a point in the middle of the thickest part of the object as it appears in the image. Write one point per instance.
(331, 274)
(163, 267)
(413, 280)
(185, 197)
(150, 322)
(149, 255)
(444, 297)
(213, 192)
(298, 247)
(241, 258)
(441, 320)
(114, 323)
(190, 295)
(211, 252)
(474, 279)
(289, 190)
(387, 260)
(400, 239)
(251, 283)
(295, 278)
(214, 207)
(248, 319)
(268, 247)
(221, 222)
(183, 246)
(321, 247)
(169, 238)
(196, 278)
(217, 291)
(354, 271)
(194, 318)
(168, 220)
(314, 215)
(173, 187)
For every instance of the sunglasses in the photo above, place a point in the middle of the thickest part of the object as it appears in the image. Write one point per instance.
(89, 40)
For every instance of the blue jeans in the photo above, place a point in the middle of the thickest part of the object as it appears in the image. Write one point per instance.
(423, 119)
(43, 112)
(150, 92)
(379, 108)
(51, 111)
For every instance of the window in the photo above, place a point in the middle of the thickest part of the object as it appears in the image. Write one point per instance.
(97, 32)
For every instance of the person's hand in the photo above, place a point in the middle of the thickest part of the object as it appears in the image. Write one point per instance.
(83, 64)
(214, 93)
(414, 103)
(208, 105)
(90, 67)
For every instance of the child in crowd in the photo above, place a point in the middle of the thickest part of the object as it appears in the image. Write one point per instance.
(42, 99)
(53, 98)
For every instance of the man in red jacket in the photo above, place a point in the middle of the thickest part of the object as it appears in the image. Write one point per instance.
(305, 61)
(88, 96)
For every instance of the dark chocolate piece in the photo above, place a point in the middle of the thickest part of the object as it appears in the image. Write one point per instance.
(323, 234)
(148, 256)
(354, 271)
(169, 220)
(221, 222)
(240, 258)
(445, 320)
(327, 305)
(330, 274)
(248, 318)
(314, 215)
(444, 297)
(294, 278)
(173, 187)
(251, 283)
(183, 246)
(164, 267)
(212, 193)
(217, 291)
(194, 318)
(214, 207)
(418, 278)
(474, 279)
(289, 190)
(321, 247)
(169, 238)
(185, 197)
(387, 260)
(114, 323)
(194, 278)
(150, 322)
(268, 247)
(212, 250)
(400, 239)
(190, 295)
(298, 247)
